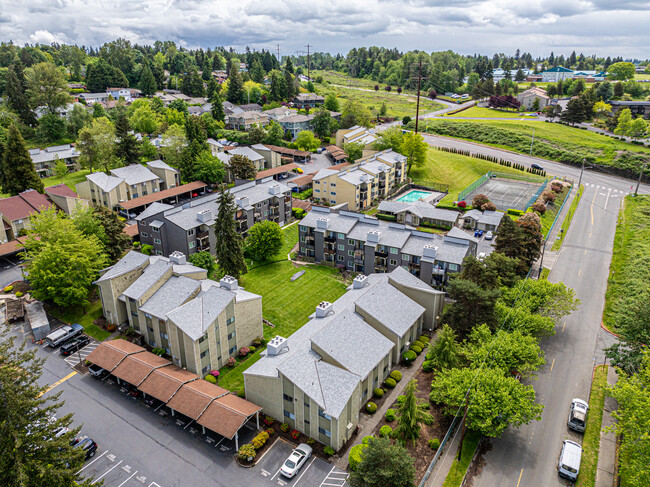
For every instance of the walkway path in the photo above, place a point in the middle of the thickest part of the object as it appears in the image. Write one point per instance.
(368, 422)
(607, 453)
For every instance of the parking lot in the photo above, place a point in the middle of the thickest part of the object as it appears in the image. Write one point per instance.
(115, 471)
(314, 473)
(81, 355)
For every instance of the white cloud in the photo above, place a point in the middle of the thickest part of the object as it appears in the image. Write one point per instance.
(602, 27)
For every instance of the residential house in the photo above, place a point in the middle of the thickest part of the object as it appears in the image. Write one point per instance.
(291, 155)
(45, 159)
(126, 183)
(65, 199)
(355, 134)
(92, 98)
(189, 227)
(419, 213)
(215, 146)
(527, 98)
(294, 124)
(250, 107)
(244, 121)
(118, 93)
(319, 378)
(308, 100)
(361, 243)
(199, 322)
(61, 112)
(280, 112)
(556, 74)
(371, 178)
(255, 157)
(487, 221)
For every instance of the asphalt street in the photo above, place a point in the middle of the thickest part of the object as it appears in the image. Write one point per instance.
(528, 456)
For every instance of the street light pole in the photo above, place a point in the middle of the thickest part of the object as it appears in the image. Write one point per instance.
(531, 143)
(541, 261)
(639, 181)
(581, 171)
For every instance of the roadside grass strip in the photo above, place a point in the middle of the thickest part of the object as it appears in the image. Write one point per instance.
(566, 223)
(458, 469)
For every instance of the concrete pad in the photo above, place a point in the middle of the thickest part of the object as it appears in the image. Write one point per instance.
(607, 455)
(610, 404)
(604, 479)
(607, 421)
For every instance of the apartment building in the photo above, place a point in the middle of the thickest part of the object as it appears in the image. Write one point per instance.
(45, 159)
(356, 134)
(189, 227)
(362, 243)
(371, 178)
(244, 121)
(319, 378)
(419, 213)
(127, 183)
(199, 322)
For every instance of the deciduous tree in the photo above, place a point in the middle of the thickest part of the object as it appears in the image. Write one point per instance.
(621, 71)
(96, 145)
(415, 149)
(47, 87)
(382, 464)
(172, 144)
(241, 167)
(208, 169)
(306, 141)
(265, 239)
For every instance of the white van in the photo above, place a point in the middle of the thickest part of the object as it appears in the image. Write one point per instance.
(569, 464)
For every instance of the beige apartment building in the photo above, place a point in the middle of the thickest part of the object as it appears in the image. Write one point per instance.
(319, 378)
(356, 134)
(127, 183)
(371, 178)
(199, 322)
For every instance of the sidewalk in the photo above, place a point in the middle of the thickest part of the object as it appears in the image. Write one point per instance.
(368, 422)
(607, 453)
(443, 465)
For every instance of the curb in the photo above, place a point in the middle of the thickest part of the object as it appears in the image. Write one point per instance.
(602, 325)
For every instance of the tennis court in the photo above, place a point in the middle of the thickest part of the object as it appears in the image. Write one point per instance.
(506, 193)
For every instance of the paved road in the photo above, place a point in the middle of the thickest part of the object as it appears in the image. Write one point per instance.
(528, 456)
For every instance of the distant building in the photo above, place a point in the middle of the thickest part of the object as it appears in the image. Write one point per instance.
(556, 74)
(527, 98)
(638, 108)
(355, 134)
(308, 100)
(45, 159)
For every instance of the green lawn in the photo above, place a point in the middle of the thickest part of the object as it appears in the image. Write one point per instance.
(70, 179)
(286, 304)
(479, 112)
(591, 438)
(290, 234)
(567, 219)
(398, 106)
(85, 317)
(458, 469)
(456, 170)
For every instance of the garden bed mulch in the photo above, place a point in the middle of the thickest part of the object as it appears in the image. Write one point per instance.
(420, 451)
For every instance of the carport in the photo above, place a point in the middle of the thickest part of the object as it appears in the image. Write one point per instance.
(194, 397)
(227, 414)
(164, 382)
(108, 355)
(135, 368)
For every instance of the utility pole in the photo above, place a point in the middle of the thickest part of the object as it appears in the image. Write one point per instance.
(541, 261)
(278, 47)
(531, 143)
(636, 191)
(581, 171)
(308, 64)
(463, 426)
(417, 109)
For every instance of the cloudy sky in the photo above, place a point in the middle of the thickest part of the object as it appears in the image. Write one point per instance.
(602, 27)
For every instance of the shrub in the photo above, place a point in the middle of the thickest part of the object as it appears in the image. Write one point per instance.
(557, 187)
(371, 407)
(416, 349)
(18, 294)
(378, 392)
(284, 427)
(426, 405)
(548, 196)
(111, 327)
(252, 349)
(390, 383)
(462, 204)
(329, 451)
(401, 398)
(428, 366)
(434, 443)
(409, 356)
(243, 351)
(231, 362)
(136, 244)
(406, 120)
(259, 441)
(366, 439)
(539, 208)
(211, 379)
(424, 339)
(158, 351)
(268, 421)
(214, 373)
(270, 431)
(310, 441)
(514, 212)
(489, 206)
(390, 415)
(354, 457)
(397, 375)
(241, 393)
(480, 199)
(418, 343)
(246, 451)
(385, 431)
(295, 434)
(8, 289)
(257, 342)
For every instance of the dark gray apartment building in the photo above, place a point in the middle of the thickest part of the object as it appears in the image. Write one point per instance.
(189, 228)
(362, 243)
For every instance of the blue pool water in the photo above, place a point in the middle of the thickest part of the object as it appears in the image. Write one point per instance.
(413, 195)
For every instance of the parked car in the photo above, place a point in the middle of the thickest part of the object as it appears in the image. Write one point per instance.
(568, 465)
(152, 401)
(296, 460)
(96, 371)
(488, 236)
(536, 166)
(578, 415)
(63, 334)
(74, 345)
(134, 392)
(125, 214)
(86, 444)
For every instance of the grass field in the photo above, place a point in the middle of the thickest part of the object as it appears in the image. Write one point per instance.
(566, 223)
(591, 438)
(456, 170)
(629, 273)
(458, 469)
(286, 304)
(398, 106)
(70, 179)
(85, 317)
(480, 112)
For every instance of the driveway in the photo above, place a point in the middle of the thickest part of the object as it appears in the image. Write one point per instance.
(9, 270)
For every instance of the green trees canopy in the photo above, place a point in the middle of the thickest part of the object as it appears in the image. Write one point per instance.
(621, 71)
(229, 244)
(18, 173)
(265, 239)
(383, 464)
(96, 145)
(47, 87)
(415, 149)
(241, 167)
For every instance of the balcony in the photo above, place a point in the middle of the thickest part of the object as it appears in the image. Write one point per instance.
(381, 253)
(358, 260)
(204, 234)
(330, 239)
(309, 239)
(381, 267)
(242, 226)
(329, 251)
(438, 271)
(414, 265)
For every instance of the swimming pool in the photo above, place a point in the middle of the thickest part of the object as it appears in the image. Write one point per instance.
(413, 195)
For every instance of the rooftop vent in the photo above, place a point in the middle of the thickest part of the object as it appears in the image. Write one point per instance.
(323, 309)
(178, 257)
(322, 223)
(228, 282)
(274, 189)
(373, 236)
(242, 201)
(276, 345)
(359, 281)
(430, 251)
(204, 216)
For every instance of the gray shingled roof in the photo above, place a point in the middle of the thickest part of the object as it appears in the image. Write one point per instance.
(152, 274)
(393, 309)
(456, 232)
(453, 253)
(104, 181)
(195, 316)
(419, 208)
(129, 262)
(158, 164)
(134, 174)
(336, 223)
(401, 276)
(170, 295)
(337, 385)
(153, 209)
(246, 152)
(324, 173)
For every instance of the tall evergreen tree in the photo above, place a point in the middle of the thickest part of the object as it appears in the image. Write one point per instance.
(16, 92)
(229, 246)
(206, 69)
(217, 107)
(147, 82)
(17, 165)
(277, 86)
(235, 86)
(290, 89)
(212, 88)
(411, 413)
(196, 85)
(257, 72)
(127, 148)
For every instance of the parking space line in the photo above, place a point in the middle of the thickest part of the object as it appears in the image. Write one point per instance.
(276, 473)
(313, 459)
(128, 479)
(89, 464)
(105, 473)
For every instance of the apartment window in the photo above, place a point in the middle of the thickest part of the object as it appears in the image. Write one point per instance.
(204, 353)
(394, 251)
(190, 233)
(287, 397)
(231, 335)
(147, 315)
(333, 185)
(302, 239)
(266, 213)
(350, 241)
(134, 313)
(205, 369)
(143, 235)
(341, 236)
(350, 253)
(393, 262)
(149, 329)
(203, 338)
(158, 252)
(232, 350)
(164, 335)
(349, 263)
(325, 432)
(155, 229)
(306, 404)
(156, 241)
(303, 229)
(332, 193)
(340, 258)
(406, 257)
(307, 422)
(258, 205)
(192, 244)
(230, 320)
(317, 191)
(322, 414)
(289, 415)
(453, 267)
(341, 247)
